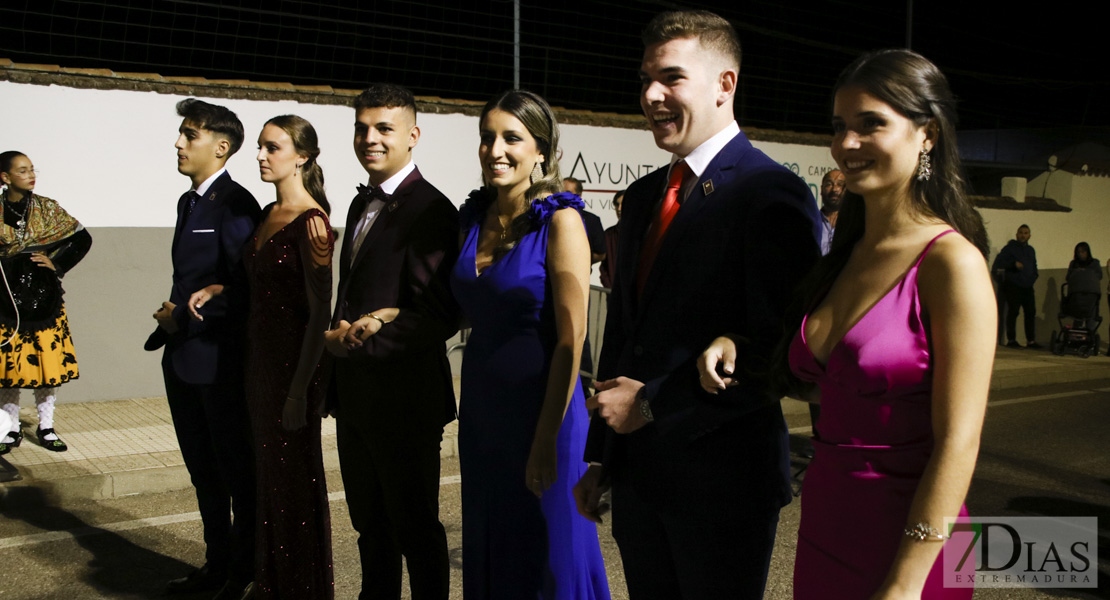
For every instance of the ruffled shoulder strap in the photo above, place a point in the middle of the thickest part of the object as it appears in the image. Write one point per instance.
(473, 209)
(543, 208)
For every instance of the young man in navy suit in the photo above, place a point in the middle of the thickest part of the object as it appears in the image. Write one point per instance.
(203, 360)
(713, 243)
(392, 382)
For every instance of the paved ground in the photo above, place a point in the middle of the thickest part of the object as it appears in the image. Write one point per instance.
(114, 517)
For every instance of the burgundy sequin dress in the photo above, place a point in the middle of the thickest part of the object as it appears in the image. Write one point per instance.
(294, 525)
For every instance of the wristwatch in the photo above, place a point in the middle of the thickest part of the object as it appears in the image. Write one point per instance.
(645, 406)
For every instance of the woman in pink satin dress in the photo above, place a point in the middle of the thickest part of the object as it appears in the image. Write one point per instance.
(895, 336)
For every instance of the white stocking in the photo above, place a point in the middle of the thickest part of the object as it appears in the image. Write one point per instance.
(9, 398)
(44, 402)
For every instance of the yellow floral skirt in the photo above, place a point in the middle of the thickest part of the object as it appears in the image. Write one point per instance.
(36, 359)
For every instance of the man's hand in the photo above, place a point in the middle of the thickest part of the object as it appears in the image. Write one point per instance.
(616, 403)
(720, 354)
(587, 493)
(164, 316)
(1019, 265)
(333, 339)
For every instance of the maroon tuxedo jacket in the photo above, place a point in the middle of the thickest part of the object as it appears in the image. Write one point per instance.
(400, 377)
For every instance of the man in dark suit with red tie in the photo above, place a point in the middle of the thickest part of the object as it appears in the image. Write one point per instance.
(712, 244)
(393, 313)
(203, 360)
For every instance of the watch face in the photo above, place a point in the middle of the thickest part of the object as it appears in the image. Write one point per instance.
(645, 410)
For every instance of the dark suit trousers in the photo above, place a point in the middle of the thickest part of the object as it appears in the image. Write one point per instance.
(392, 488)
(1020, 297)
(213, 431)
(684, 531)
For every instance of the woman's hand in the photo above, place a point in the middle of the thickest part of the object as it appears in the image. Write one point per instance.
(201, 297)
(721, 353)
(541, 470)
(43, 260)
(293, 415)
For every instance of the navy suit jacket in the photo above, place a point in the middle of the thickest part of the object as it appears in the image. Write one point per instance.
(208, 248)
(731, 258)
(400, 377)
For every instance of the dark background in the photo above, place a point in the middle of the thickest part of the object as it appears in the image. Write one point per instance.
(1011, 69)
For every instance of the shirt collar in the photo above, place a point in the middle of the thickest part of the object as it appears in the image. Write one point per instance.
(699, 159)
(390, 185)
(202, 189)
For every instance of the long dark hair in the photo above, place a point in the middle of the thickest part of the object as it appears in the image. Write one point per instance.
(304, 139)
(538, 118)
(1078, 261)
(915, 88)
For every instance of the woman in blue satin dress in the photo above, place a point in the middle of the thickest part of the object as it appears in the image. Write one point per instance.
(522, 279)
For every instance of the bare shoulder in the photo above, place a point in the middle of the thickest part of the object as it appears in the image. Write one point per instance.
(567, 235)
(954, 268)
(565, 219)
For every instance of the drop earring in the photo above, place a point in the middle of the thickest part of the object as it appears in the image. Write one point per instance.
(537, 172)
(924, 166)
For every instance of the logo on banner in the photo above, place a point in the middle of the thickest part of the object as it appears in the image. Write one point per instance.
(1034, 552)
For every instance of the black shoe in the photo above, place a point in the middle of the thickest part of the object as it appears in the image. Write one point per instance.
(236, 591)
(200, 580)
(1013, 344)
(56, 445)
(7, 447)
(1034, 346)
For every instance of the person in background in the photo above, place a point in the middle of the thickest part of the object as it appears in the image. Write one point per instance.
(1084, 277)
(595, 233)
(39, 243)
(1016, 264)
(832, 191)
(612, 239)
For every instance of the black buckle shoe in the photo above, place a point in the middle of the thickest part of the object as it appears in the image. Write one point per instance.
(6, 447)
(52, 445)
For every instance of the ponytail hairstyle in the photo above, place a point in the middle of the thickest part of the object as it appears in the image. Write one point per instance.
(915, 88)
(538, 118)
(304, 141)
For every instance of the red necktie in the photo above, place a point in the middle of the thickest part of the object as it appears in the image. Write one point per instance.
(660, 224)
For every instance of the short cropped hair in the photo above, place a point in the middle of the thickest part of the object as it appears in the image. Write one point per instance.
(576, 183)
(214, 118)
(388, 95)
(713, 31)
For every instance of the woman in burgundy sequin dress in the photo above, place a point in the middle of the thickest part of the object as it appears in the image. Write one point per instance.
(288, 264)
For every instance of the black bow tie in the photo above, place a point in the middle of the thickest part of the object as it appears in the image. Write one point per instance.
(372, 193)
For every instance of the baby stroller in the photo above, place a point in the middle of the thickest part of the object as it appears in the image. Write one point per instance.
(1081, 336)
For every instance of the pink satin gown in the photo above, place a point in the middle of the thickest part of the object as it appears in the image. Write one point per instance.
(876, 438)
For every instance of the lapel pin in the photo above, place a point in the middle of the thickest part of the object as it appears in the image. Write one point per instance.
(393, 206)
(213, 196)
(707, 187)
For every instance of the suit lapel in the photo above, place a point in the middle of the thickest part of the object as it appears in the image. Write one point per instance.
(713, 186)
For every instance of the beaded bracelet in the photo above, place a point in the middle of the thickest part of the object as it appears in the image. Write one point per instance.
(923, 532)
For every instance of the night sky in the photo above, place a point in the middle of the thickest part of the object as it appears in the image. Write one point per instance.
(1011, 69)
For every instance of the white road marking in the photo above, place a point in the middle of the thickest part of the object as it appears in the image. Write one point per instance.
(1043, 397)
(77, 532)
